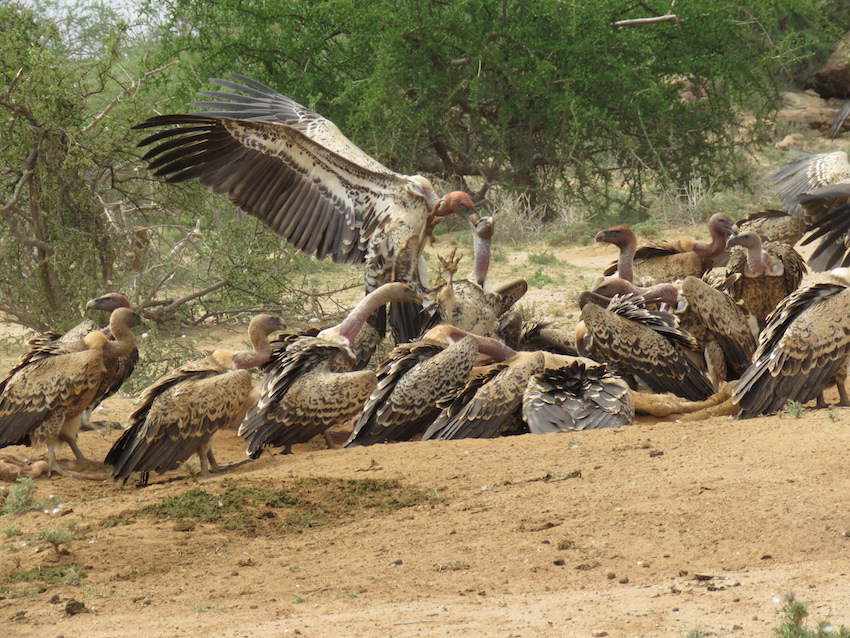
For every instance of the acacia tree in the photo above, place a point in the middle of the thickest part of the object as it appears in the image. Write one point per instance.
(547, 97)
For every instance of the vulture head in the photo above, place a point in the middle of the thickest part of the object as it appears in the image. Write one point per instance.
(457, 202)
(758, 261)
(720, 223)
(110, 301)
(620, 236)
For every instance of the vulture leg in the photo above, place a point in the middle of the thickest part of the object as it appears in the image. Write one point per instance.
(204, 453)
(716, 363)
(328, 441)
(841, 384)
(71, 440)
(821, 404)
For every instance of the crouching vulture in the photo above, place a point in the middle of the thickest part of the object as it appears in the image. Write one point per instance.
(300, 176)
(310, 383)
(43, 401)
(182, 411)
(802, 350)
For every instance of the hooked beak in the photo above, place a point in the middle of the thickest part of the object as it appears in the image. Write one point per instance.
(470, 215)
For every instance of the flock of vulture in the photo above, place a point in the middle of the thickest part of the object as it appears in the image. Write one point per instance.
(672, 327)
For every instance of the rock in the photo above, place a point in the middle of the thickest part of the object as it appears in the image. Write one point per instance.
(833, 78)
(74, 607)
(793, 141)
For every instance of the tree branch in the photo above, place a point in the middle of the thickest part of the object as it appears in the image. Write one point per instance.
(133, 86)
(669, 17)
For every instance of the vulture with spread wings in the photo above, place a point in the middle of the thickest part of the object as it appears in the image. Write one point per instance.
(301, 177)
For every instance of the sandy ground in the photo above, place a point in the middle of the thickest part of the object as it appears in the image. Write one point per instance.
(657, 529)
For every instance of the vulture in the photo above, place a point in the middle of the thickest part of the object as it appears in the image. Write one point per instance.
(646, 345)
(414, 378)
(537, 392)
(802, 350)
(302, 178)
(43, 401)
(49, 343)
(543, 335)
(472, 304)
(181, 412)
(816, 188)
(666, 260)
(310, 383)
(720, 326)
(769, 273)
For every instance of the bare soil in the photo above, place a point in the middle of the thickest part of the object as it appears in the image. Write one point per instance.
(655, 529)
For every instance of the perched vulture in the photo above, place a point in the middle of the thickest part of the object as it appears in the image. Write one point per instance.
(301, 177)
(310, 384)
(646, 345)
(414, 378)
(816, 188)
(472, 304)
(666, 260)
(803, 349)
(43, 401)
(181, 412)
(535, 392)
(769, 273)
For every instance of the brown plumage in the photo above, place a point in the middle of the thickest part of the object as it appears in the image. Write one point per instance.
(669, 260)
(181, 412)
(804, 348)
(535, 392)
(646, 345)
(42, 402)
(301, 177)
(414, 379)
(720, 326)
(724, 341)
(769, 273)
(309, 385)
(472, 304)
(816, 188)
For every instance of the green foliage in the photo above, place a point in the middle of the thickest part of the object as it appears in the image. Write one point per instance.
(56, 538)
(794, 615)
(793, 409)
(307, 503)
(20, 498)
(546, 97)
(543, 259)
(71, 574)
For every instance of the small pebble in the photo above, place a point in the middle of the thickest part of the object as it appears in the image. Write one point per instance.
(559, 561)
(397, 562)
(610, 575)
(623, 580)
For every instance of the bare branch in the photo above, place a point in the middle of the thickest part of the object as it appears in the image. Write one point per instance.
(669, 17)
(133, 86)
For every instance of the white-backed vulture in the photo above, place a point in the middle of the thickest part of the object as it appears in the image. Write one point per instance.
(43, 401)
(414, 379)
(300, 176)
(310, 384)
(181, 412)
(769, 273)
(802, 350)
(667, 260)
(646, 345)
(472, 304)
(721, 328)
(774, 225)
(537, 392)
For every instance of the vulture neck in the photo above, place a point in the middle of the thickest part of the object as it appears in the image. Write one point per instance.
(757, 261)
(482, 259)
(352, 324)
(494, 349)
(715, 247)
(121, 344)
(626, 259)
(261, 349)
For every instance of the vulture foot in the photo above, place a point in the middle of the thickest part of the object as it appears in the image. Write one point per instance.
(662, 405)
(450, 265)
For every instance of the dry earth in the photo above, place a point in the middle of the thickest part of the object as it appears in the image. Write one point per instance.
(657, 529)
